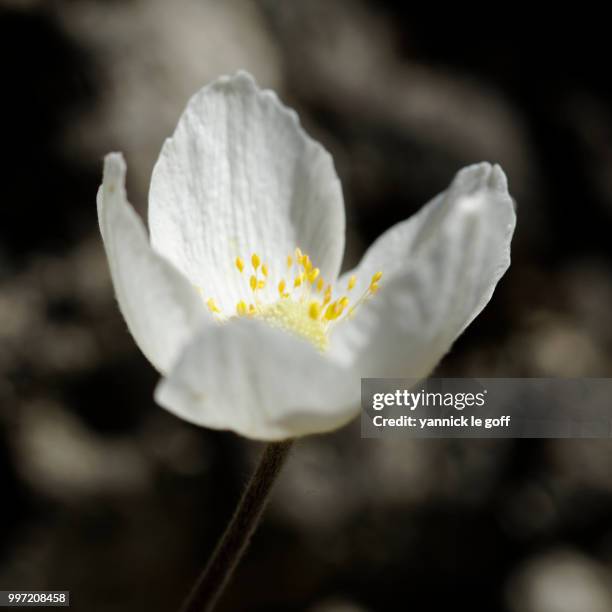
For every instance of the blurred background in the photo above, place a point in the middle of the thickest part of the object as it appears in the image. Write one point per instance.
(107, 495)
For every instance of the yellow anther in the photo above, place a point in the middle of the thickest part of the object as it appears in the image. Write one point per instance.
(310, 312)
(314, 310)
(313, 275)
(212, 306)
(330, 311)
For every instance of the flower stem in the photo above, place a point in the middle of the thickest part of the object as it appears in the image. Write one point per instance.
(212, 581)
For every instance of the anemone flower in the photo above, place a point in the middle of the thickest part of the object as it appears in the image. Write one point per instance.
(235, 297)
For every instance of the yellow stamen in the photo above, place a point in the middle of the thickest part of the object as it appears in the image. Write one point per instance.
(314, 310)
(212, 306)
(373, 288)
(310, 312)
(327, 295)
(330, 311)
(313, 274)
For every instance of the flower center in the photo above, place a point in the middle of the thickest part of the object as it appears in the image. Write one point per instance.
(305, 305)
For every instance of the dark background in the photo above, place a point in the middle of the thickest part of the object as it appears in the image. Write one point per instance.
(107, 495)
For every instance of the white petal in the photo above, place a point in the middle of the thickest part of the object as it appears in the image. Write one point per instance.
(440, 268)
(241, 176)
(258, 381)
(161, 308)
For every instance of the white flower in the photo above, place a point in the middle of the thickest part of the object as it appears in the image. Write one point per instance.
(236, 299)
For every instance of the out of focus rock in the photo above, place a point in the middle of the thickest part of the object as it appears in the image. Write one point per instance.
(20, 4)
(337, 605)
(529, 510)
(399, 125)
(561, 350)
(153, 56)
(175, 446)
(58, 315)
(590, 120)
(560, 582)
(318, 490)
(551, 344)
(61, 459)
(583, 464)
(587, 286)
